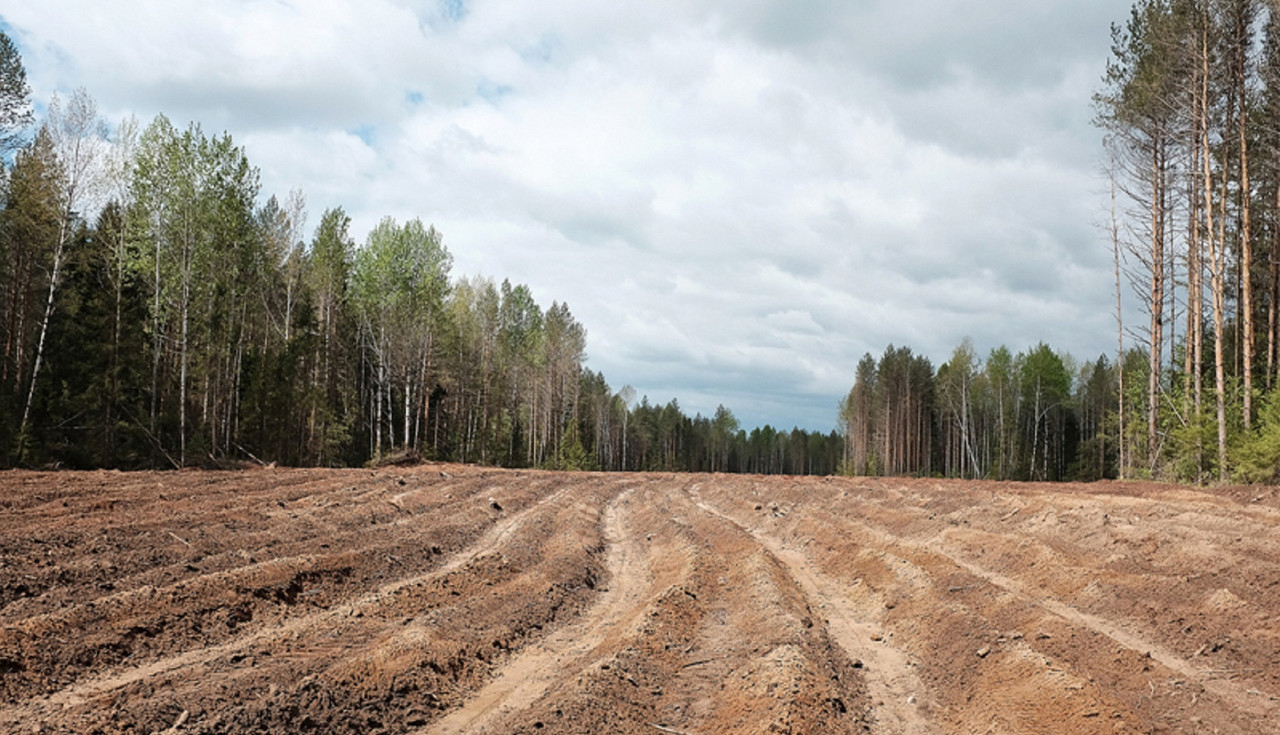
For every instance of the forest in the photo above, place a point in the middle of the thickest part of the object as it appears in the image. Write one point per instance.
(158, 309)
(1035, 415)
(1189, 109)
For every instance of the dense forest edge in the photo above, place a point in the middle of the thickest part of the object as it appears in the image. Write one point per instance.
(186, 322)
(1189, 108)
(158, 310)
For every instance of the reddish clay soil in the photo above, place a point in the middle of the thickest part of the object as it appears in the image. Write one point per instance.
(451, 599)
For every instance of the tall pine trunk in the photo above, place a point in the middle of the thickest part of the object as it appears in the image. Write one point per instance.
(1156, 361)
(1246, 239)
(1217, 262)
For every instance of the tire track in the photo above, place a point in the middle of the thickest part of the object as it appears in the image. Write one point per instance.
(1250, 700)
(937, 549)
(894, 687)
(1246, 699)
(568, 650)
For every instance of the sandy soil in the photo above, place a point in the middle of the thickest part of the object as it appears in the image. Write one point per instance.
(452, 599)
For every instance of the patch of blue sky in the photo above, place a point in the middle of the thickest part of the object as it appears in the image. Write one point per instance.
(367, 133)
(543, 50)
(454, 10)
(493, 92)
(414, 97)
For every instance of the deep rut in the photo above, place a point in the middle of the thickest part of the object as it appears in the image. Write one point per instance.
(563, 653)
(895, 689)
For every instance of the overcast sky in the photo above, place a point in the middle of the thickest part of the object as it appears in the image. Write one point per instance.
(737, 198)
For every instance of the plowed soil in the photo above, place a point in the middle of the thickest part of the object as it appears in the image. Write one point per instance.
(452, 599)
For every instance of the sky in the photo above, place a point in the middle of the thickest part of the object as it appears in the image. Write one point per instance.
(737, 198)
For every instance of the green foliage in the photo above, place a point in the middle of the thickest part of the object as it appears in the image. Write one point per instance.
(97, 365)
(400, 277)
(200, 248)
(1048, 418)
(1188, 451)
(1096, 407)
(1191, 456)
(1094, 459)
(29, 232)
(571, 455)
(1257, 457)
(1035, 415)
(399, 281)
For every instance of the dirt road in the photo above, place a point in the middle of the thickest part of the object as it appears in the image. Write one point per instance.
(450, 599)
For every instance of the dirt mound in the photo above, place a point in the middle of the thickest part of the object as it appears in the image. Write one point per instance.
(448, 599)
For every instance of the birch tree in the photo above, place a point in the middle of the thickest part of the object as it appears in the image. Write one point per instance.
(955, 387)
(399, 282)
(28, 229)
(78, 136)
(193, 213)
(328, 271)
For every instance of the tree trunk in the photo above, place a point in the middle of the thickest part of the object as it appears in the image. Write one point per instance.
(1246, 246)
(1156, 362)
(44, 326)
(1217, 244)
(1273, 309)
(408, 410)
(1115, 248)
(377, 414)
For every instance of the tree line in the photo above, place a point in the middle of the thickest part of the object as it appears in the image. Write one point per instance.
(156, 310)
(1034, 415)
(652, 437)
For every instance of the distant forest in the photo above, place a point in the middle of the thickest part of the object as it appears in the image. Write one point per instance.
(158, 310)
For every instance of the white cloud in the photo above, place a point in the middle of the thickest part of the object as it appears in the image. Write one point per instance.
(736, 199)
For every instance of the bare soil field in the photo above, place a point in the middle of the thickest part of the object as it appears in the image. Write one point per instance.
(452, 599)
